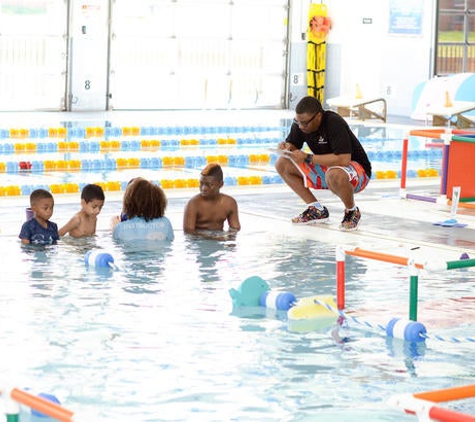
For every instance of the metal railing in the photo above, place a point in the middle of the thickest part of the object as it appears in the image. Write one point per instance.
(455, 58)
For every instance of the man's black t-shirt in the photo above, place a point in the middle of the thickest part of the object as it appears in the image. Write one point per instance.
(333, 136)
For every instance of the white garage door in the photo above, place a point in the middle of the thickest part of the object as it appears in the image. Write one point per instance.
(33, 54)
(180, 54)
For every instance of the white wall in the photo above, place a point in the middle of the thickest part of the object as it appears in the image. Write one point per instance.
(382, 64)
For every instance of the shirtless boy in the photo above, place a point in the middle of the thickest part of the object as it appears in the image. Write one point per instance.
(210, 208)
(84, 222)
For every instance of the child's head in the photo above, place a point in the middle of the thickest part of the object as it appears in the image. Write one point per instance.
(143, 198)
(92, 199)
(42, 204)
(211, 180)
(213, 170)
(91, 192)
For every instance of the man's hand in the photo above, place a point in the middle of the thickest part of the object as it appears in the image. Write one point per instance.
(298, 156)
(284, 145)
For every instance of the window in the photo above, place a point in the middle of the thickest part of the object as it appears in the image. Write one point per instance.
(455, 37)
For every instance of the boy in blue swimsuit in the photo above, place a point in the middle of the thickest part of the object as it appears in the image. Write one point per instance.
(39, 230)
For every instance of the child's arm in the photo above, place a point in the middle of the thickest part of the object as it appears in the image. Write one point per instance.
(114, 221)
(233, 217)
(70, 225)
(25, 234)
(189, 217)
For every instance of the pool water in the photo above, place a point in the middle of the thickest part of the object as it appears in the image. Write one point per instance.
(157, 339)
(65, 164)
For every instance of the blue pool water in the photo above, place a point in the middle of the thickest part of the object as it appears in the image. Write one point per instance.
(158, 339)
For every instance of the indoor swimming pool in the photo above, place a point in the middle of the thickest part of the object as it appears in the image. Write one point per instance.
(65, 155)
(157, 338)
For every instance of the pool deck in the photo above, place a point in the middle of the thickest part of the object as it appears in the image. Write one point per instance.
(385, 216)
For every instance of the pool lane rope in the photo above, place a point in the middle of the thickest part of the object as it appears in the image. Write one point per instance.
(450, 339)
(399, 328)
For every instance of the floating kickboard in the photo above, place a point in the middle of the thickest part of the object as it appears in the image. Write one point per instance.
(307, 308)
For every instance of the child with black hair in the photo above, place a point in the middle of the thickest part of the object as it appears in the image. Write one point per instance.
(83, 223)
(210, 209)
(39, 230)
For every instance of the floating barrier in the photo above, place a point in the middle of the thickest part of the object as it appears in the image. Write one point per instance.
(407, 330)
(41, 405)
(396, 327)
(320, 311)
(393, 259)
(423, 405)
(46, 396)
(281, 301)
(99, 259)
(464, 262)
(302, 314)
(71, 142)
(447, 394)
(126, 131)
(60, 188)
(108, 163)
(398, 260)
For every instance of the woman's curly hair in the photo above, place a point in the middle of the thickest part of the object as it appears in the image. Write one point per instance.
(145, 199)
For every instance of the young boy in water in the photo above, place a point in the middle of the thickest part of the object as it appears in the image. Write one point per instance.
(39, 230)
(210, 208)
(84, 222)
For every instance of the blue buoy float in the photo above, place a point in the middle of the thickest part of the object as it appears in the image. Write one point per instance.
(282, 301)
(46, 396)
(99, 258)
(406, 330)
